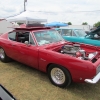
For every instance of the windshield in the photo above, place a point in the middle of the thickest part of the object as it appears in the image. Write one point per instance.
(47, 36)
(80, 32)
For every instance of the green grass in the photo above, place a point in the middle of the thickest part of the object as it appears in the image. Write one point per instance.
(26, 83)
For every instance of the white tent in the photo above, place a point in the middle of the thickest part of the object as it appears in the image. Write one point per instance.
(26, 17)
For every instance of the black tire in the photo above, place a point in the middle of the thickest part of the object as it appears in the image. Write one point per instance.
(59, 76)
(3, 56)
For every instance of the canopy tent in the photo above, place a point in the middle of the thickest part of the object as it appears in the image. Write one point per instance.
(56, 24)
(26, 17)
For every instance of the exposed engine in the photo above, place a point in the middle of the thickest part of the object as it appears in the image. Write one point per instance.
(75, 50)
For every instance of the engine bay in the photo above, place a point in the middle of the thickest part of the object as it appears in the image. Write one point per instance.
(76, 51)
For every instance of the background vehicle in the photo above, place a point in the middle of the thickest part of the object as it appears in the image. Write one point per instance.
(79, 35)
(44, 49)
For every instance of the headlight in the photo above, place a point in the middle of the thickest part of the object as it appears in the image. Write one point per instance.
(98, 69)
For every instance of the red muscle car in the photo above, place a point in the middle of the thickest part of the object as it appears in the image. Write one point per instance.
(44, 49)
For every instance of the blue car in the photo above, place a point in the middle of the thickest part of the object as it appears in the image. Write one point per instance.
(79, 35)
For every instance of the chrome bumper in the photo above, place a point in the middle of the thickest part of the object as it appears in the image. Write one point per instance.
(94, 80)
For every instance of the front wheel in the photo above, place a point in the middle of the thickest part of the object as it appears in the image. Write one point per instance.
(3, 56)
(59, 75)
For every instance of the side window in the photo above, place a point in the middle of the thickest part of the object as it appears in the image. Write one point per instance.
(31, 40)
(67, 32)
(73, 33)
(12, 36)
(22, 37)
(60, 31)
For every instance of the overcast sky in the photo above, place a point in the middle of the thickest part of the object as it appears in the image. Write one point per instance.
(74, 11)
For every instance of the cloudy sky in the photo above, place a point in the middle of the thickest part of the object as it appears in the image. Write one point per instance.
(74, 11)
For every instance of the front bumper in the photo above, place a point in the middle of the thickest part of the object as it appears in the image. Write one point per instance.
(94, 80)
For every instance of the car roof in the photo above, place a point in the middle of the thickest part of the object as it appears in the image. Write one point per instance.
(67, 28)
(32, 28)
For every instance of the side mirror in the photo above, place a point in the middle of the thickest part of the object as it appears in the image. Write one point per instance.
(26, 42)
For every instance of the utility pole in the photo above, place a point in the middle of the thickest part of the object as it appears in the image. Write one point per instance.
(25, 5)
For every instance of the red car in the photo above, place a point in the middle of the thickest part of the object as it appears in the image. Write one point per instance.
(44, 49)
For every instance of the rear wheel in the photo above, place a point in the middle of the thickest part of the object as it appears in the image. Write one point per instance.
(59, 75)
(3, 56)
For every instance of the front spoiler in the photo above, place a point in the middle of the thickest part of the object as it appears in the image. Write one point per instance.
(94, 80)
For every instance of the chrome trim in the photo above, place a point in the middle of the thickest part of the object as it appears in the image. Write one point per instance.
(94, 80)
(98, 69)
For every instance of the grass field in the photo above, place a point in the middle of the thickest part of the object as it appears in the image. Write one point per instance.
(26, 83)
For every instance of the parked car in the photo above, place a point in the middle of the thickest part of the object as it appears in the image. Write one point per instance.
(43, 48)
(79, 35)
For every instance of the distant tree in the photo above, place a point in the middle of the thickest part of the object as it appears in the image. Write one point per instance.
(97, 24)
(84, 23)
(69, 23)
(19, 23)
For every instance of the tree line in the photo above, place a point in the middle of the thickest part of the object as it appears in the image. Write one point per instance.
(85, 23)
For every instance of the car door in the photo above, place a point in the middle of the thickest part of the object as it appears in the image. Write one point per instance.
(25, 52)
(28, 52)
(11, 45)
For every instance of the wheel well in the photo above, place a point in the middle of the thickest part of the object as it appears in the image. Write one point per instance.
(6, 58)
(58, 65)
(48, 66)
(3, 49)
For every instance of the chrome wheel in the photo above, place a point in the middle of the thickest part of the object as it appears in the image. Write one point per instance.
(3, 56)
(2, 53)
(58, 76)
